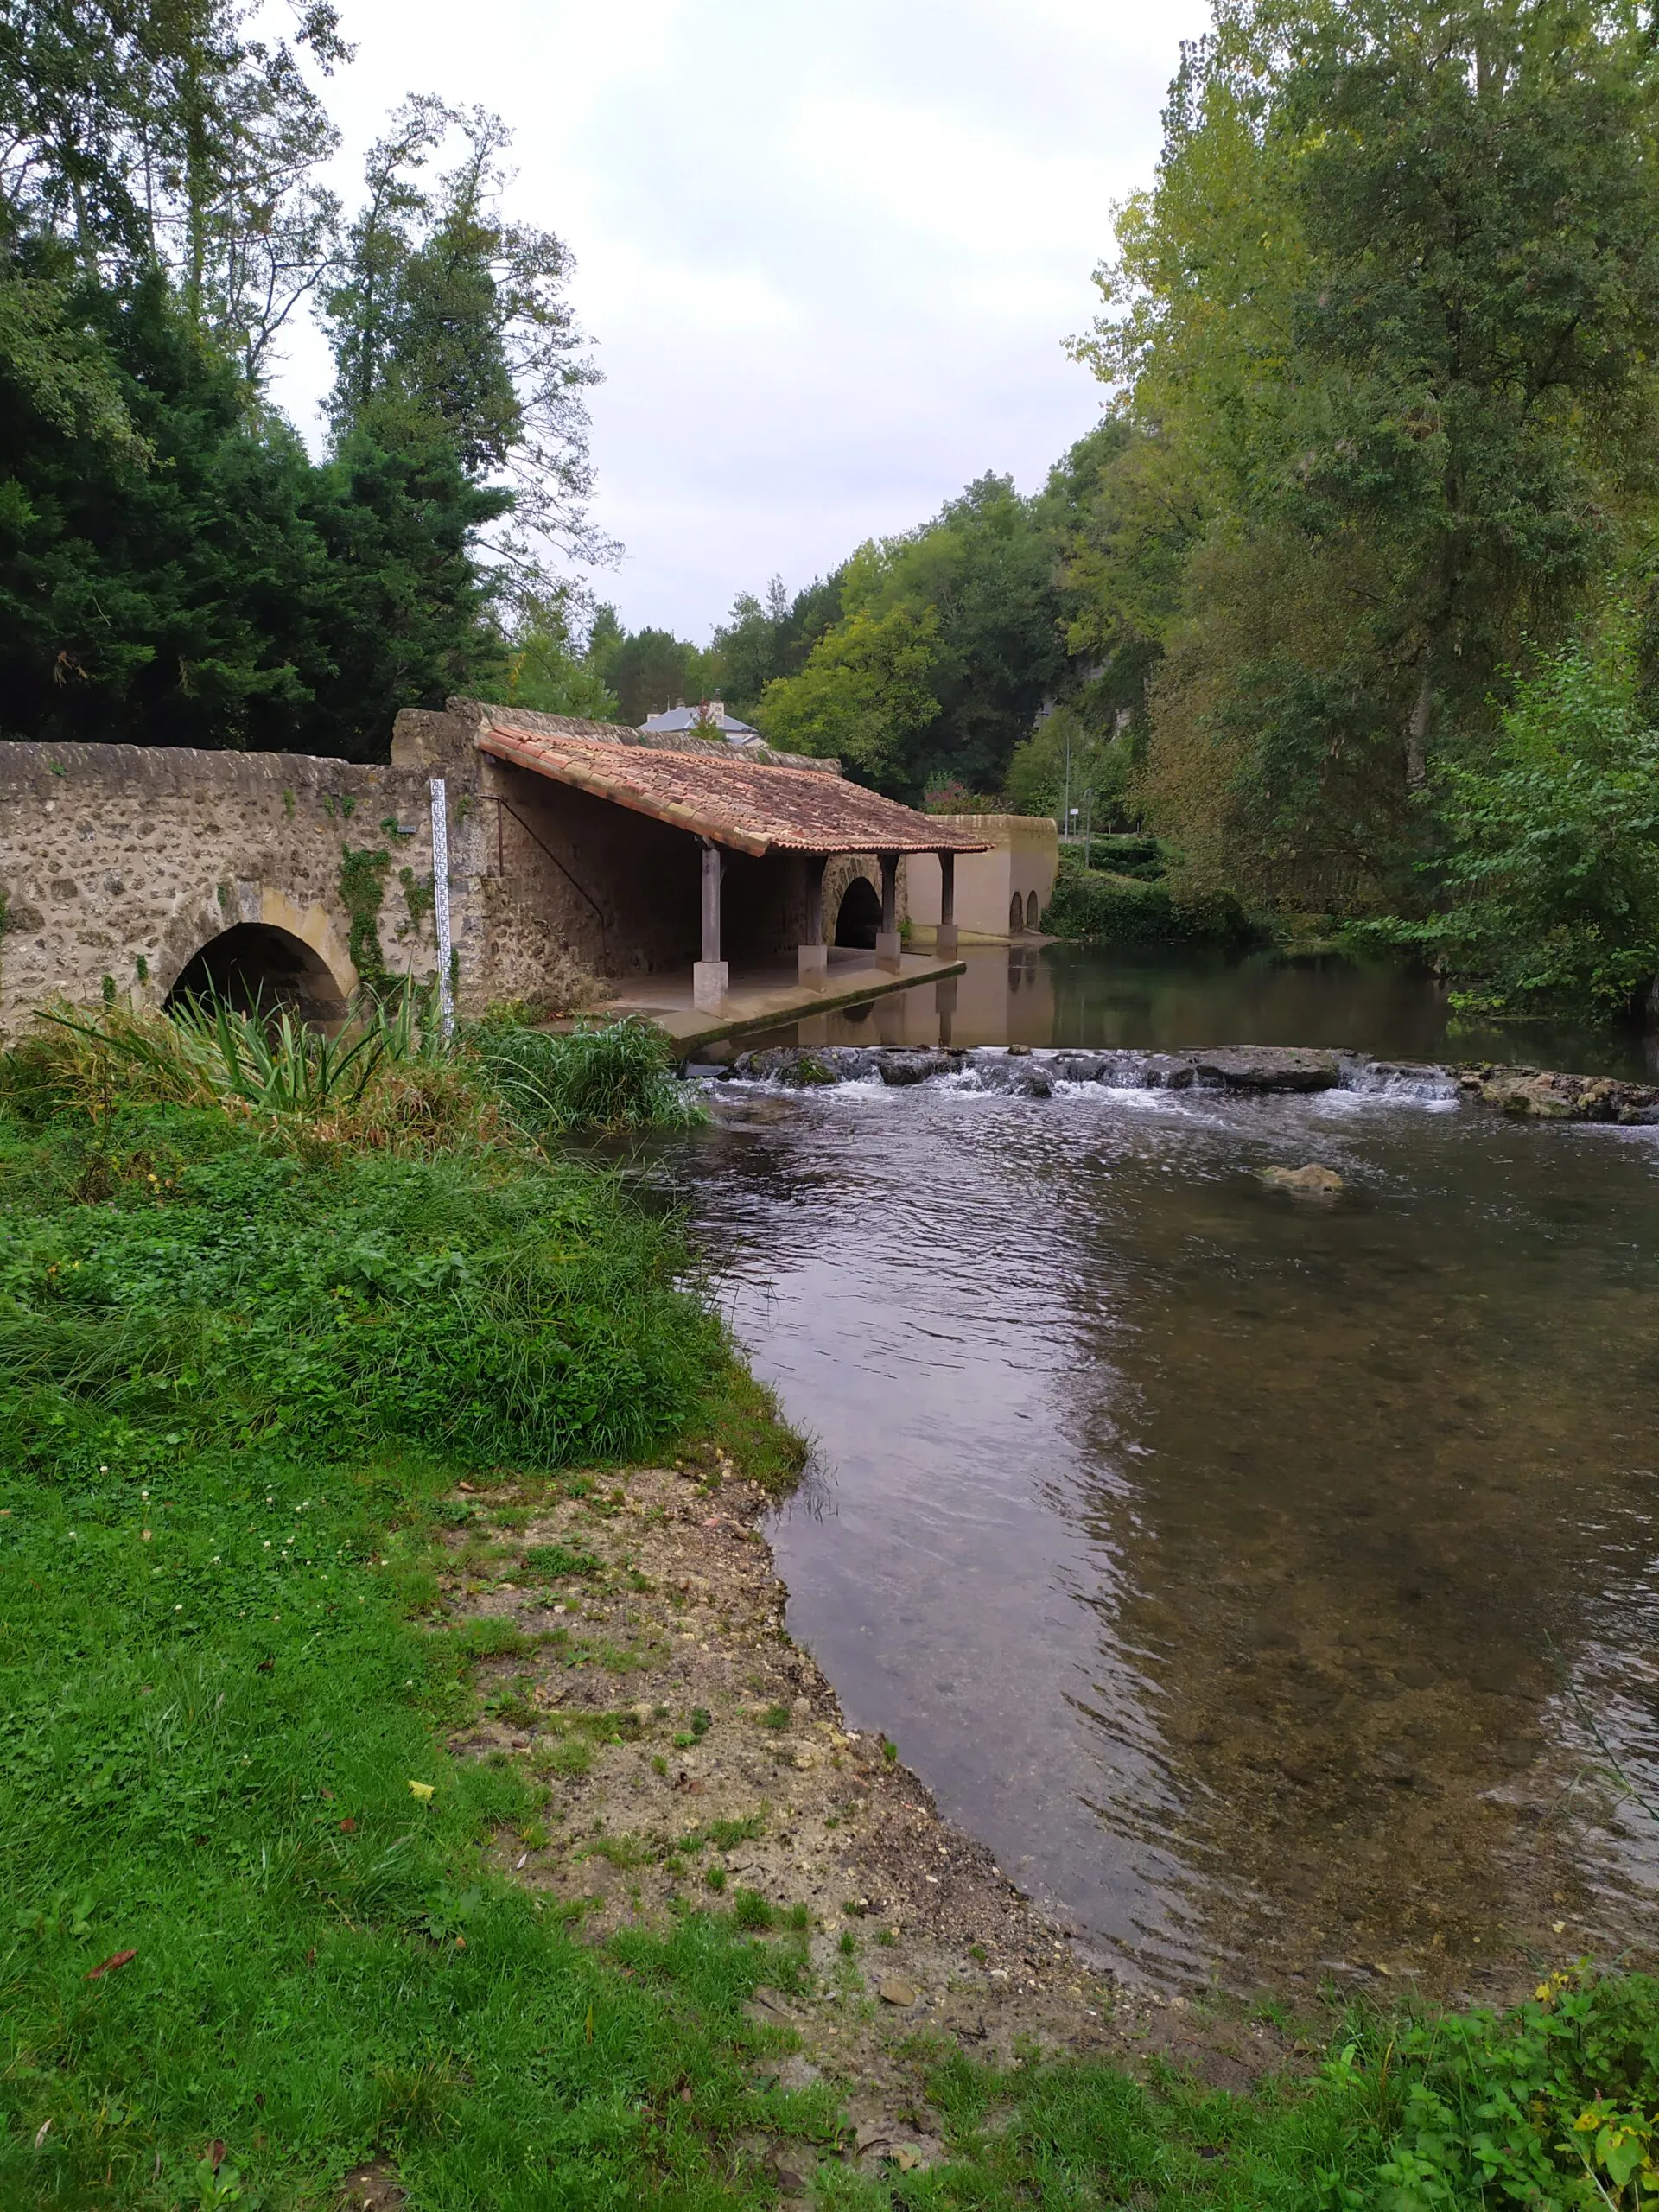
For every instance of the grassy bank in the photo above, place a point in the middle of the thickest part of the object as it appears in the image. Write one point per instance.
(252, 1942)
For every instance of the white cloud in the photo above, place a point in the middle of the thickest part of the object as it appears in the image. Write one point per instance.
(829, 252)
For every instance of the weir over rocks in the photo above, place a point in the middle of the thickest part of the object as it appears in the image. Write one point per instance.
(1522, 1093)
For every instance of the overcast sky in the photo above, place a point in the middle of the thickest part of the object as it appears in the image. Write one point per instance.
(828, 253)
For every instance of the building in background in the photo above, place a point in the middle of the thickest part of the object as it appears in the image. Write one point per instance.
(708, 719)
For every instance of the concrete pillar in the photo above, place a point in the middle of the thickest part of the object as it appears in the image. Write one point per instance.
(944, 942)
(944, 1005)
(887, 941)
(711, 975)
(814, 953)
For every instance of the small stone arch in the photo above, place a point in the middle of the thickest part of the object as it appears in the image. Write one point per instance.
(260, 966)
(1016, 915)
(858, 918)
(1033, 914)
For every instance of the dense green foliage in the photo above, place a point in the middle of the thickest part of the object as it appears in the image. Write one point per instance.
(1142, 908)
(1379, 346)
(648, 669)
(1381, 336)
(173, 567)
(617, 1076)
(1551, 868)
(947, 643)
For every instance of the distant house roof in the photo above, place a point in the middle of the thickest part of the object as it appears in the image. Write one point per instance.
(751, 805)
(702, 721)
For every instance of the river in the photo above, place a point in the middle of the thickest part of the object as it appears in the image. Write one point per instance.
(1271, 1585)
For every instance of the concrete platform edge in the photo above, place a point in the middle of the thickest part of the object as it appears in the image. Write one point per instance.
(802, 1003)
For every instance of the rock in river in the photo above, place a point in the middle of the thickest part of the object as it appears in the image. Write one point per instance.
(1310, 1182)
(1267, 1067)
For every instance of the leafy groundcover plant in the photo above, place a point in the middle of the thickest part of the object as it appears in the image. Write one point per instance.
(250, 1938)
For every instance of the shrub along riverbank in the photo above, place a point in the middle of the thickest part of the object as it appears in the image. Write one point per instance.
(251, 1943)
(1135, 903)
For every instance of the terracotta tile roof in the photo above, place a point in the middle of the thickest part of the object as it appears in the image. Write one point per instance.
(753, 806)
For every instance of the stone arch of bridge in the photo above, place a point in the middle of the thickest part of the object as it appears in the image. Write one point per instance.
(259, 948)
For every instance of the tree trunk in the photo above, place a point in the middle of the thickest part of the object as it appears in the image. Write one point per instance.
(1417, 732)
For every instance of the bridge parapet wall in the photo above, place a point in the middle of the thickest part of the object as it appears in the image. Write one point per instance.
(123, 862)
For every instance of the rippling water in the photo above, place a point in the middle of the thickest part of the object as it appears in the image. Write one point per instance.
(1271, 1585)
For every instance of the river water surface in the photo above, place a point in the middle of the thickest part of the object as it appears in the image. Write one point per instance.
(1271, 1585)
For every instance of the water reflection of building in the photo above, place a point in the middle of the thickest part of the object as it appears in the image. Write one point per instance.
(1005, 995)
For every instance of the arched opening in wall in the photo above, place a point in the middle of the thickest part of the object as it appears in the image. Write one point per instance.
(255, 966)
(1016, 914)
(858, 918)
(1032, 916)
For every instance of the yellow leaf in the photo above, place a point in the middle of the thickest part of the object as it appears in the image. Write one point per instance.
(421, 1789)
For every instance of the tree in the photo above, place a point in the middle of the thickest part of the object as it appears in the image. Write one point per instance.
(1549, 885)
(866, 696)
(758, 644)
(448, 319)
(544, 671)
(173, 570)
(970, 609)
(647, 670)
(167, 136)
(1388, 316)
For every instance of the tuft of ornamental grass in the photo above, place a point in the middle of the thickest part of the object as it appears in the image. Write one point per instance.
(389, 1079)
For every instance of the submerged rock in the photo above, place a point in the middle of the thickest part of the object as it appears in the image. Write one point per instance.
(1527, 1093)
(1312, 1182)
(795, 1064)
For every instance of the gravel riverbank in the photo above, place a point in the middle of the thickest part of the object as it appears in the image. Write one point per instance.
(693, 1755)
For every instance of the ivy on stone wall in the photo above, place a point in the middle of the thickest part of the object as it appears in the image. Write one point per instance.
(362, 888)
(420, 896)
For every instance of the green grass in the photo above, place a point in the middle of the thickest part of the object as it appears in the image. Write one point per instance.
(234, 1401)
(240, 1381)
(617, 1076)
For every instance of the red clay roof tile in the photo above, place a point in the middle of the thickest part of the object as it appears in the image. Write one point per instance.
(751, 806)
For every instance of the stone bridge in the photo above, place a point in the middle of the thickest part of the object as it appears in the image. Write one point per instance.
(131, 870)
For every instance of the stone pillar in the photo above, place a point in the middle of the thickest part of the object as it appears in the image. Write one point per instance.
(813, 953)
(944, 1005)
(887, 941)
(711, 975)
(944, 941)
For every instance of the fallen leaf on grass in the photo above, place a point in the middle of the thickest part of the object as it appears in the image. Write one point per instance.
(41, 2133)
(421, 1789)
(116, 1959)
(348, 1826)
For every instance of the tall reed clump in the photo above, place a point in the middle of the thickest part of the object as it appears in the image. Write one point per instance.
(389, 1079)
(614, 1077)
